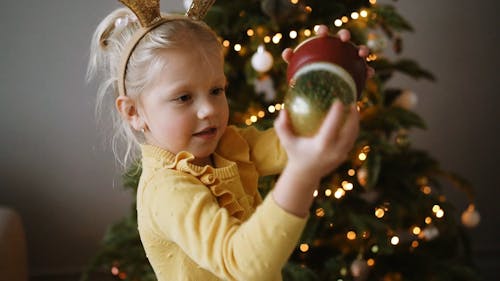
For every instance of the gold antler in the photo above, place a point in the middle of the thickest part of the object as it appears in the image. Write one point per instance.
(147, 11)
(199, 9)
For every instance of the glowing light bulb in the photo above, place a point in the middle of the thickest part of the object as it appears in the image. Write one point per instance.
(328, 192)
(338, 23)
(362, 156)
(237, 47)
(339, 193)
(320, 212)
(293, 34)
(354, 15)
(307, 32)
(226, 43)
(416, 230)
(363, 13)
(351, 172)
(304, 247)
(351, 235)
(315, 193)
(253, 118)
(379, 213)
(261, 114)
(394, 240)
(250, 32)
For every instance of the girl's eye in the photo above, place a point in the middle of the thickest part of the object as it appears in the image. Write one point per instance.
(182, 99)
(218, 91)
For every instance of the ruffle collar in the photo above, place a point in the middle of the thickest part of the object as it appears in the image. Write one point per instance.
(208, 175)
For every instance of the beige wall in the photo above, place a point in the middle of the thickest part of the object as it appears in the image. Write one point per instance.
(56, 171)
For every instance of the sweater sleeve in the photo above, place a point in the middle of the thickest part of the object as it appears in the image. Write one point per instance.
(266, 151)
(184, 211)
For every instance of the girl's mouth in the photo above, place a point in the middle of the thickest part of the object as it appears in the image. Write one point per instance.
(206, 133)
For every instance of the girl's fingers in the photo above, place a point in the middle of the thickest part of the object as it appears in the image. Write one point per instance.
(363, 51)
(283, 127)
(287, 54)
(333, 121)
(322, 30)
(344, 35)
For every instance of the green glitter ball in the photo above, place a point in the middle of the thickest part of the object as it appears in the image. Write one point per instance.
(311, 94)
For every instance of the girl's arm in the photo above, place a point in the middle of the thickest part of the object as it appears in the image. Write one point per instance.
(311, 158)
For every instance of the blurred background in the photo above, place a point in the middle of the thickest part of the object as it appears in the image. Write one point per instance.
(58, 172)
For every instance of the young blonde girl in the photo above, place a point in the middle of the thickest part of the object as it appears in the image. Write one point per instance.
(200, 215)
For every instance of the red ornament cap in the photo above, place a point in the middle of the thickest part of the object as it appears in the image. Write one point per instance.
(329, 49)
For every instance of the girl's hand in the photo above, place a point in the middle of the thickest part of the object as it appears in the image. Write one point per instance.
(316, 156)
(345, 36)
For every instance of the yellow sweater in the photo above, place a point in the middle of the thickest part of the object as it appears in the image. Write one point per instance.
(204, 223)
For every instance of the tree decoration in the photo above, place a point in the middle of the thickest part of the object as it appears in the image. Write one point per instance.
(262, 60)
(470, 217)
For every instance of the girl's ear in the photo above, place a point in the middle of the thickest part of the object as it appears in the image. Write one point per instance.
(129, 111)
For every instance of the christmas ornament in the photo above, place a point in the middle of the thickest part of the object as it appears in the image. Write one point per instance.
(471, 217)
(407, 100)
(321, 70)
(264, 85)
(362, 176)
(430, 232)
(359, 269)
(376, 43)
(262, 60)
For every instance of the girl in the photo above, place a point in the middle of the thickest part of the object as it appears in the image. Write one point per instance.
(200, 215)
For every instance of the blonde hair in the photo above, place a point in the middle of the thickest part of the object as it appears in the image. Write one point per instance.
(146, 60)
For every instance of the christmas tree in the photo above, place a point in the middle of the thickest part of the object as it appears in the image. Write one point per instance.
(383, 214)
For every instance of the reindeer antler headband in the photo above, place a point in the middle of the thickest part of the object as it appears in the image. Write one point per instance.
(149, 16)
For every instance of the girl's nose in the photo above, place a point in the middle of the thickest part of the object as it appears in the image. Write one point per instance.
(206, 109)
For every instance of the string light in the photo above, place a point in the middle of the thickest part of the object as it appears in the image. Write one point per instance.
(304, 247)
(277, 38)
(363, 13)
(354, 15)
(428, 220)
(226, 43)
(416, 230)
(347, 185)
(293, 34)
(351, 172)
(351, 235)
(267, 39)
(307, 32)
(271, 109)
(315, 193)
(370, 262)
(362, 156)
(250, 32)
(426, 189)
(394, 240)
(339, 193)
(414, 244)
(261, 114)
(338, 23)
(373, 2)
(237, 47)
(328, 192)
(374, 249)
(379, 213)
(294, 1)
(320, 212)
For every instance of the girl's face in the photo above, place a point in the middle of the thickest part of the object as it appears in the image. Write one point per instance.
(185, 107)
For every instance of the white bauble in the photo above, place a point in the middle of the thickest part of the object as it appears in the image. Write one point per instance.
(262, 60)
(376, 43)
(430, 232)
(359, 269)
(471, 217)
